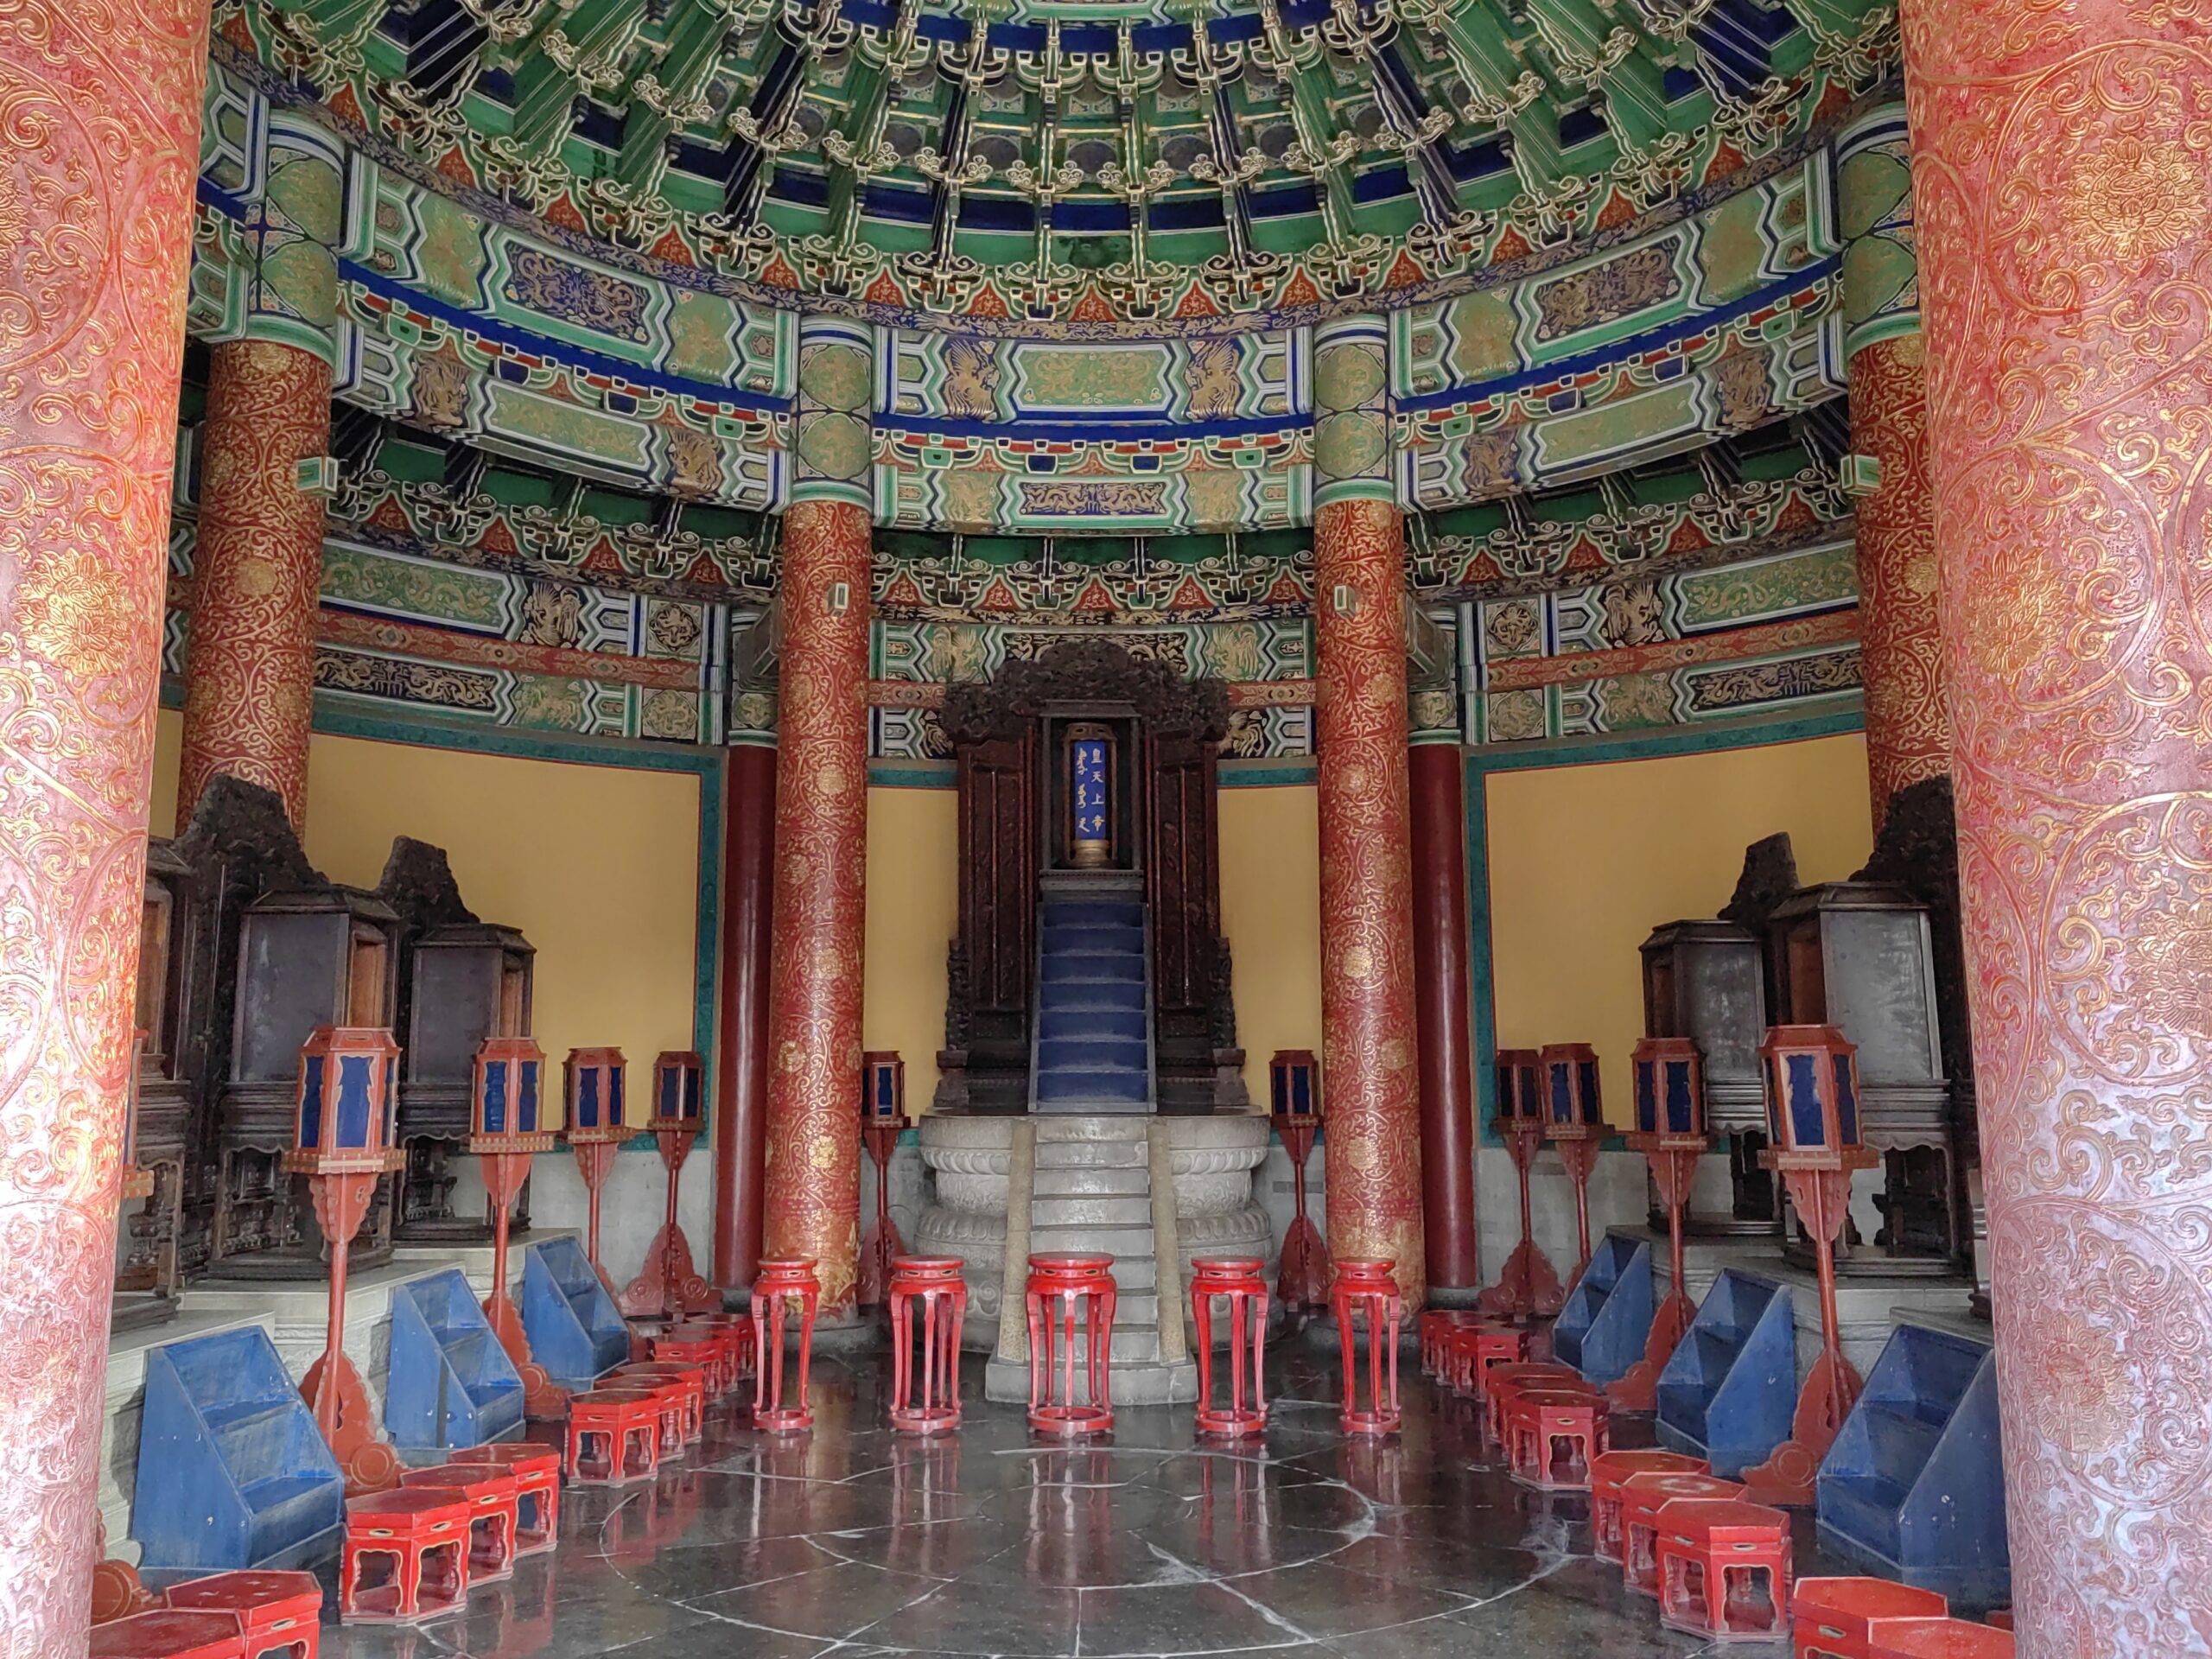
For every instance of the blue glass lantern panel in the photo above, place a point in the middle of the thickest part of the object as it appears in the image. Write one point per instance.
(527, 1111)
(883, 1092)
(1562, 1091)
(587, 1098)
(1809, 1128)
(671, 1093)
(311, 1104)
(692, 1079)
(1847, 1102)
(1505, 1101)
(1301, 1090)
(1646, 1096)
(494, 1116)
(1682, 1108)
(1532, 1092)
(391, 1101)
(357, 1122)
(613, 1094)
(1591, 1111)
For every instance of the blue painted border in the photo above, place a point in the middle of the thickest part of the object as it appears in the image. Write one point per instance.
(1481, 763)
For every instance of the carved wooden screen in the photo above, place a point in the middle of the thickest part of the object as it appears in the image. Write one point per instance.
(998, 870)
(1180, 860)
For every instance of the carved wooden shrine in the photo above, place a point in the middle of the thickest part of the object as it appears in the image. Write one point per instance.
(1022, 779)
(1705, 980)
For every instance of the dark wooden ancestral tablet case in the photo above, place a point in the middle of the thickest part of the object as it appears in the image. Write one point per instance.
(323, 955)
(148, 1267)
(1859, 956)
(1706, 979)
(466, 982)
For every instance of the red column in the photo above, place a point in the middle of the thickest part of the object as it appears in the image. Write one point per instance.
(256, 574)
(99, 141)
(812, 1168)
(2061, 153)
(1441, 994)
(1370, 1075)
(741, 1125)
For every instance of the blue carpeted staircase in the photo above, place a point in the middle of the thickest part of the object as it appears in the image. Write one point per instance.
(1093, 1052)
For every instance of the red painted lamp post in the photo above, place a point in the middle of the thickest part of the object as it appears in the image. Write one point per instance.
(1812, 1112)
(1670, 1134)
(593, 1086)
(668, 1286)
(1575, 1124)
(883, 1116)
(1528, 1287)
(508, 1127)
(342, 1143)
(1294, 1090)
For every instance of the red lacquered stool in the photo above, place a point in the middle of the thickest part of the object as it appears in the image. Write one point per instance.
(935, 1281)
(1836, 1619)
(1068, 1279)
(280, 1613)
(421, 1535)
(672, 1403)
(1724, 1569)
(737, 1329)
(1372, 1287)
(1552, 1434)
(703, 1346)
(1436, 1325)
(1642, 1498)
(781, 1283)
(692, 1379)
(1471, 1350)
(614, 1437)
(165, 1633)
(493, 1498)
(1935, 1638)
(1242, 1282)
(1502, 1383)
(1609, 1471)
(536, 1470)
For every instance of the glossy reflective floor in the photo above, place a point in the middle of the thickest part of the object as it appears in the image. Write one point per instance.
(856, 1542)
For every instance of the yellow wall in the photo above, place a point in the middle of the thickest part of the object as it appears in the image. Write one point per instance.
(913, 911)
(1585, 860)
(1271, 910)
(598, 866)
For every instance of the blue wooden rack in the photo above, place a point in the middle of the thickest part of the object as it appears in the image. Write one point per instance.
(450, 1382)
(1728, 1394)
(576, 1331)
(232, 1472)
(1606, 1322)
(1914, 1484)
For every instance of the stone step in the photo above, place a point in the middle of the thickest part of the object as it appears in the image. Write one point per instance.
(1091, 1210)
(1092, 1181)
(1093, 936)
(1091, 1050)
(1089, 1154)
(1056, 1130)
(1117, 1242)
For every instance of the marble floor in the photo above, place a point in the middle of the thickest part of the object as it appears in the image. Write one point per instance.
(853, 1542)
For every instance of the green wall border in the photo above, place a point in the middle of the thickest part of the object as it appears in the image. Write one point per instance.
(1482, 763)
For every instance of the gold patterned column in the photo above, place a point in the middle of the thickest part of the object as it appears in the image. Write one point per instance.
(1900, 653)
(1369, 1061)
(258, 565)
(99, 142)
(817, 920)
(2062, 150)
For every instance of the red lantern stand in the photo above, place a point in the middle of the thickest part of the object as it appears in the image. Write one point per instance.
(342, 1143)
(507, 1131)
(1670, 1134)
(1812, 1109)
(668, 1286)
(1294, 1080)
(1576, 1125)
(593, 1082)
(1528, 1287)
(883, 1116)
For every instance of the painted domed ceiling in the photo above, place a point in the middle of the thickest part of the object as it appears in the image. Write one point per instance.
(1093, 238)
